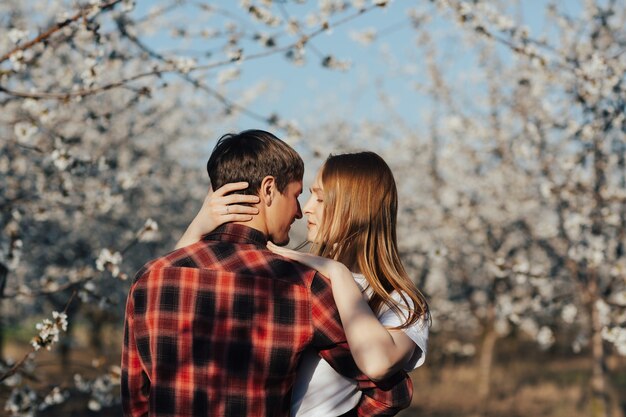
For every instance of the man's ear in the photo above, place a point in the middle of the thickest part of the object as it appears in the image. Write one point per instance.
(268, 187)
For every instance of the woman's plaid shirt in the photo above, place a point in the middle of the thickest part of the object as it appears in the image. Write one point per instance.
(217, 329)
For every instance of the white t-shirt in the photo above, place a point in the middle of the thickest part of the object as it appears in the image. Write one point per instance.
(320, 391)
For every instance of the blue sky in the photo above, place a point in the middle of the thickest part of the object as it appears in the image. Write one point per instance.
(311, 94)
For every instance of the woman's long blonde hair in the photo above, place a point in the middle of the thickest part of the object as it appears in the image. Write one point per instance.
(359, 229)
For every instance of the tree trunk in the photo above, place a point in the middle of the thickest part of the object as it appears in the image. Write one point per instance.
(486, 363)
(600, 401)
(3, 279)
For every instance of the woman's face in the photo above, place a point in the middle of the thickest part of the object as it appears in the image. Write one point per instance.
(314, 209)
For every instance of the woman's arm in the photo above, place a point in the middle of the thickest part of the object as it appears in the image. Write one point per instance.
(377, 351)
(219, 208)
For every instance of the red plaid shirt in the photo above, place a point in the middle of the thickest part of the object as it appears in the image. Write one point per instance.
(217, 329)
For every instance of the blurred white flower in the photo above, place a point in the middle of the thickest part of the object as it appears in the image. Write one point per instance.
(595, 68)
(22, 402)
(296, 56)
(617, 336)
(49, 331)
(264, 15)
(184, 64)
(94, 405)
(126, 180)
(149, 231)
(502, 327)
(62, 16)
(545, 337)
(546, 189)
(312, 20)
(529, 326)
(17, 35)
(228, 75)
(18, 59)
(24, 131)
(235, 54)
(580, 342)
(604, 310)
(619, 298)
(61, 159)
(209, 33)
(568, 314)
(521, 266)
(128, 5)
(110, 261)
(91, 72)
(54, 397)
(504, 23)
(364, 37)
(333, 63)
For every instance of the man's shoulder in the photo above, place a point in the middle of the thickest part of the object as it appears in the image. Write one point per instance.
(239, 259)
(182, 257)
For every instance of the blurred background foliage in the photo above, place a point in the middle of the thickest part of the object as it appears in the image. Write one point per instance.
(503, 122)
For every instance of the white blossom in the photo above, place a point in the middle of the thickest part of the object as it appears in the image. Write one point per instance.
(149, 231)
(22, 402)
(617, 336)
(110, 261)
(17, 35)
(594, 68)
(545, 337)
(49, 331)
(91, 72)
(364, 37)
(24, 131)
(128, 5)
(312, 20)
(61, 159)
(264, 15)
(336, 64)
(94, 405)
(18, 59)
(54, 397)
(568, 313)
(228, 75)
(604, 311)
(184, 64)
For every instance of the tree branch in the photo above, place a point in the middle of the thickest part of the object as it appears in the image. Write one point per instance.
(51, 31)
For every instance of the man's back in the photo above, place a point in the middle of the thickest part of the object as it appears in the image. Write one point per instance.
(219, 326)
(217, 329)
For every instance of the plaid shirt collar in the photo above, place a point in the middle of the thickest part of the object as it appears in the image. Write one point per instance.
(237, 233)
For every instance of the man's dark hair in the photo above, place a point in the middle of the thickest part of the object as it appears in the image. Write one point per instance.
(251, 156)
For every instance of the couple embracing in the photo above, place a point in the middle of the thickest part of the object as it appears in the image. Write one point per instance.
(232, 324)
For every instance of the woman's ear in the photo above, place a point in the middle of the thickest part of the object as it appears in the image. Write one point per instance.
(268, 186)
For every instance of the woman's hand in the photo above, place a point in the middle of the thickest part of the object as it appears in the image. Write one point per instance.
(327, 267)
(220, 207)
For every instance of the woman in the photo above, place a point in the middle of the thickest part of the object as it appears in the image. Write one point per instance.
(351, 223)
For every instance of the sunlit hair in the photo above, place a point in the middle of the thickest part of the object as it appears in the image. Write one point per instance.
(359, 229)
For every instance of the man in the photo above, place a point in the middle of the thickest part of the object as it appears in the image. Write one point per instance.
(217, 328)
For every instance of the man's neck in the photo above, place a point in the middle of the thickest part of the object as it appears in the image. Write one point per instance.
(256, 223)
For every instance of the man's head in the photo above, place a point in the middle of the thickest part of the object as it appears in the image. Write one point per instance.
(273, 171)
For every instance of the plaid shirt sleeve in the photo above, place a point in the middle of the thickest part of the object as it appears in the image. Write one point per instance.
(135, 385)
(385, 398)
